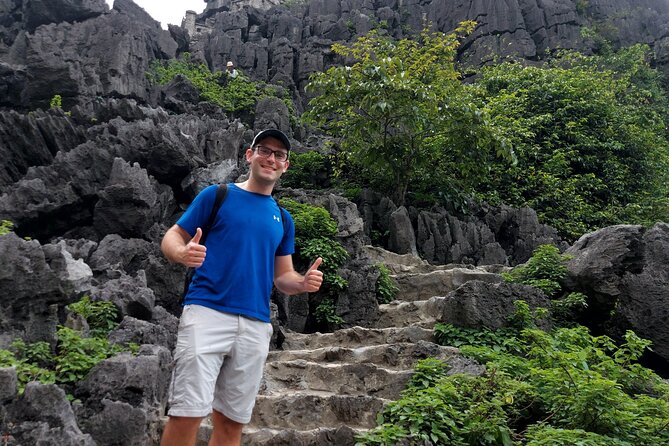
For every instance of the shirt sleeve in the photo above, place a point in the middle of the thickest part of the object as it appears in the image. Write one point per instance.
(198, 212)
(287, 245)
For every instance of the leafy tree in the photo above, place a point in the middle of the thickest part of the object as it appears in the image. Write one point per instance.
(590, 137)
(402, 112)
(308, 170)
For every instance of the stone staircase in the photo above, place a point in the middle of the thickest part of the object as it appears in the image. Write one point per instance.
(324, 388)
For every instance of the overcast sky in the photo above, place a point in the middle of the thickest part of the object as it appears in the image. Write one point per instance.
(168, 11)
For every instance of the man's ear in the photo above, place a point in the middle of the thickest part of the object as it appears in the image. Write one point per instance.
(286, 165)
(249, 154)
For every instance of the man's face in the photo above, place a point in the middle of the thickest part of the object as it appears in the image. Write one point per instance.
(263, 163)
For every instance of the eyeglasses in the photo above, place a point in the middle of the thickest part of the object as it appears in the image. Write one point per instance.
(266, 152)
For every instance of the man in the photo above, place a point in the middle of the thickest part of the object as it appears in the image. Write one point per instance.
(224, 331)
(230, 69)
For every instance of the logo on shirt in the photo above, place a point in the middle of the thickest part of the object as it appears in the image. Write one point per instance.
(276, 218)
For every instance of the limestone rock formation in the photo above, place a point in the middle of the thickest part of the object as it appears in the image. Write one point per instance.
(623, 269)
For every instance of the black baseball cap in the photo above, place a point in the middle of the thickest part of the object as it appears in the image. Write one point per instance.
(271, 133)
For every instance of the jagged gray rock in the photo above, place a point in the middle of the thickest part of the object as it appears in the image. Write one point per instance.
(161, 330)
(65, 177)
(623, 271)
(50, 415)
(58, 58)
(42, 12)
(33, 140)
(8, 384)
(132, 389)
(486, 236)
(64, 193)
(478, 304)
(129, 294)
(117, 256)
(131, 202)
(281, 45)
(75, 275)
(26, 276)
(402, 239)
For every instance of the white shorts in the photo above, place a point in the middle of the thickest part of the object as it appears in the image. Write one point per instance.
(218, 364)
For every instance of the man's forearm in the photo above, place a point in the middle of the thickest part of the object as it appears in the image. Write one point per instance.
(290, 283)
(173, 246)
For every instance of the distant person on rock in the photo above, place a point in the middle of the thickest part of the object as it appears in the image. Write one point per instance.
(225, 330)
(230, 69)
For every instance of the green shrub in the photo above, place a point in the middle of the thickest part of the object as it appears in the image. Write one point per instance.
(539, 389)
(38, 353)
(101, 315)
(77, 355)
(6, 227)
(310, 221)
(74, 356)
(308, 170)
(427, 373)
(333, 253)
(232, 94)
(543, 435)
(544, 270)
(498, 340)
(314, 237)
(56, 101)
(386, 288)
(326, 312)
(566, 309)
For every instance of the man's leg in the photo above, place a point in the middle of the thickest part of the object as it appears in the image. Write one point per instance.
(226, 432)
(181, 431)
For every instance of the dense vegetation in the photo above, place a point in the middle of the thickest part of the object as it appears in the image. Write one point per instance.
(315, 232)
(581, 139)
(232, 94)
(588, 133)
(76, 351)
(564, 387)
(402, 114)
(590, 137)
(561, 388)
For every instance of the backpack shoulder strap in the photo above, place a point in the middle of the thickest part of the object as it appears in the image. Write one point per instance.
(221, 193)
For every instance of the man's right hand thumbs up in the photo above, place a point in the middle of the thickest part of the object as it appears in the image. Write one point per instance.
(195, 253)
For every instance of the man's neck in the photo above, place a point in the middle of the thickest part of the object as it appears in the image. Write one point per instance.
(256, 187)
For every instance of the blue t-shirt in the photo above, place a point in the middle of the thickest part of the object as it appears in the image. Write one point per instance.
(238, 271)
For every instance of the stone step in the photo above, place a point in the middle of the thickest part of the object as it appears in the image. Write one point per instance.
(409, 263)
(422, 286)
(421, 313)
(355, 337)
(313, 410)
(397, 263)
(327, 436)
(401, 355)
(340, 436)
(285, 377)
